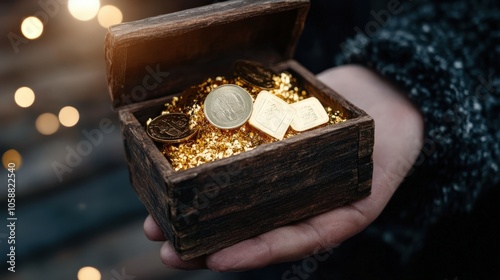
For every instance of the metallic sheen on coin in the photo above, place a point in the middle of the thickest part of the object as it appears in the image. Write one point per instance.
(254, 74)
(170, 128)
(228, 106)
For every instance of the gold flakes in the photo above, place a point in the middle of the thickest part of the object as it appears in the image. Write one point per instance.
(212, 143)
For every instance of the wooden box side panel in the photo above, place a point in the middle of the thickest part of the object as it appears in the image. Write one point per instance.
(146, 173)
(271, 188)
(365, 155)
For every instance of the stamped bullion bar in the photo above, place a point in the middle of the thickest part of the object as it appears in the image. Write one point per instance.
(309, 114)
(271, 115)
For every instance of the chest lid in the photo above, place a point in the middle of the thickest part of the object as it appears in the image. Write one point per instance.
(163, 55)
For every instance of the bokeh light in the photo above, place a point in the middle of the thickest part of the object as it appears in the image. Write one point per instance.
(12, 156)
(109, 15)
(47, 123)
(32, 27)
(84, 9)
(89, 273)
(24, 97)
(69, 116)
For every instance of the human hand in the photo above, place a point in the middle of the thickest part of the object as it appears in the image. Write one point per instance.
(398, 141)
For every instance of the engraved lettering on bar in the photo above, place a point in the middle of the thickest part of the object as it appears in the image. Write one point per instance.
(310, 114)
(271, 115)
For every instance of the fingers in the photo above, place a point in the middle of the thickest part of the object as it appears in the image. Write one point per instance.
(291, 242)
(152, 230)
(167, 253)
(288, 243)
(172, 260)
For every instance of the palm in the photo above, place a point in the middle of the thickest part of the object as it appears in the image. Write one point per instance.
(398, 138)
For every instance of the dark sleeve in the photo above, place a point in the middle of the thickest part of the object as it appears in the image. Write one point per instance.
(445, 56)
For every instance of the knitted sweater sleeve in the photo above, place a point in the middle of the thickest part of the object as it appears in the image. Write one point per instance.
(445, 56)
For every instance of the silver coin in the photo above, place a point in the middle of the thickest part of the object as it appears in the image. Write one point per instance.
(228, 106)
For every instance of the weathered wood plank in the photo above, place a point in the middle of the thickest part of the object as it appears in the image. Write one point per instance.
(147, 168)
(188, 46)
(365, 152)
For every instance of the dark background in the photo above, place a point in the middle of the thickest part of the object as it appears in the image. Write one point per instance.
(93, 217)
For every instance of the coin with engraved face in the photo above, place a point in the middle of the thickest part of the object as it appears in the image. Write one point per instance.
(254, 74)
(170, 128)
(228, 106)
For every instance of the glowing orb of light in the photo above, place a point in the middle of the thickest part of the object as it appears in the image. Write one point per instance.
(12, 157)
(69, 116)
(47, 123)
(109, 15)
(84, 10)
(89, 273)
(24, 97)
(32, 27)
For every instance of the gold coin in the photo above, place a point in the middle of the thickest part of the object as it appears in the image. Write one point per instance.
(228, 106)
(170, 128)
(254, 73)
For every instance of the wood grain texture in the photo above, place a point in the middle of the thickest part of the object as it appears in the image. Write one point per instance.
(212, 206)
(207, 39)
(365, 152)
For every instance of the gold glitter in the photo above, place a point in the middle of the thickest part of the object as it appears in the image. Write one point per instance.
(213, 143)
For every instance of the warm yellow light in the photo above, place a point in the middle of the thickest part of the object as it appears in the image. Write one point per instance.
(24, 97)
(109, 15)
(84, 9)
(12, 157)
(32, 27)
(47, 123)
(69, 116)
(89, 273)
